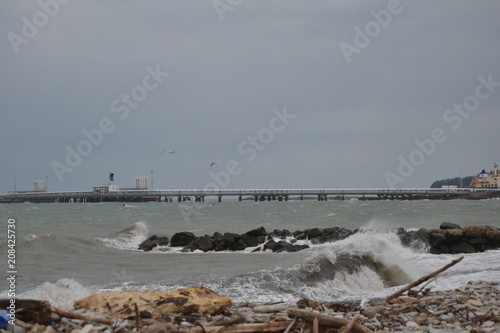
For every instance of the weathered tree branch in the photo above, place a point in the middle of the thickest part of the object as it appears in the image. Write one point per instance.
(327, 321)
(422, 279)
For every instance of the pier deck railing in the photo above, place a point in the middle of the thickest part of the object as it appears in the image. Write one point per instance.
(257, 194)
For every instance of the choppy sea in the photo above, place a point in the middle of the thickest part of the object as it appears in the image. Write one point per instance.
(65, 252)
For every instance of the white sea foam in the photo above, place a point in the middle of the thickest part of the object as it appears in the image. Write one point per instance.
(128, 238)
(61, 294)
(30, 237)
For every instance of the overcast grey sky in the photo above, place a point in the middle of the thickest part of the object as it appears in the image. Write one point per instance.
(293, 94)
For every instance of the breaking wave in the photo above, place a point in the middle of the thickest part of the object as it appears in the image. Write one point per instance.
(128, 238)
(363, 265)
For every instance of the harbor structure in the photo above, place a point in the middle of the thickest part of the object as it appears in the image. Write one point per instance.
(487, 180)
(111, 193)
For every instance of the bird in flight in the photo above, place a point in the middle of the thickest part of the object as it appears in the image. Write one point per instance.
(171, 152)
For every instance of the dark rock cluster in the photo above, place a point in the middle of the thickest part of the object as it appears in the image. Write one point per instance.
(451, 238)
(259, 239)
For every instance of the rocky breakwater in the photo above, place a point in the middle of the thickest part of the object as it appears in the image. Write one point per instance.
(257, 239)
(452, 238)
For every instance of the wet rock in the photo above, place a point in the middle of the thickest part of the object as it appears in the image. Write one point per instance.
(344, 233)
(270, 245)
(205, 243)
(282, 234)
(251, 241)
(182, 238)
(448, 225)
(222, 246)
(454, 235)
(230, 238)
(239, 245)
(217, 238)
(283, 246)
(462, 247)
(257, 232)
(314, 232)
(148, 244)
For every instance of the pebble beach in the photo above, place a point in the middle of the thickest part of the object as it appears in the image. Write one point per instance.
(472, 308)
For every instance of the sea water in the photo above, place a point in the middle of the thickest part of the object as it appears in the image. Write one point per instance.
(65, 252)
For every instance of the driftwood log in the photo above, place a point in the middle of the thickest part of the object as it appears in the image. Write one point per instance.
(348, 327)
(327, 321)
(73, 315)
(422, 280)
(243, 328)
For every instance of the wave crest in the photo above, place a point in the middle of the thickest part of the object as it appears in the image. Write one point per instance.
(128, 238)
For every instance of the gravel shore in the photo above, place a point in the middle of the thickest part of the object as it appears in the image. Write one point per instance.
(472, 308)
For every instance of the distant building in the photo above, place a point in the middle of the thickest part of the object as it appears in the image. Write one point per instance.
(40, 186)
(105, 188)
(487, 179)
(141, 183)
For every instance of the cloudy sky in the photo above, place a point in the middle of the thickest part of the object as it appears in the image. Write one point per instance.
(279, 94)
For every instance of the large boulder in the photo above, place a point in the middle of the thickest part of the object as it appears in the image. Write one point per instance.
(448, 225)
(153, 242)
(222, 246)
(148, 244)
(217, 238)
(257, 232)
(488, 232)
(314, 232)
(250, 240)
(230, 238)
(282, 234)
(182, 238)
(205, 243)
(270, 245)
(283, 246)
(239, 245)
(462, 247)
(184, 301)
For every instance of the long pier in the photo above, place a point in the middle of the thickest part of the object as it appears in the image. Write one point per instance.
(248, 194)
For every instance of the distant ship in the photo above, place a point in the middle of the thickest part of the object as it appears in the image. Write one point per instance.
(487, 179)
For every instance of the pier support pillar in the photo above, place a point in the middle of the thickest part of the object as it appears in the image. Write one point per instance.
(220, 199)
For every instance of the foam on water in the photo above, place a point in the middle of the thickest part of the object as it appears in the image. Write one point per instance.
(128, 238)
(61, 294)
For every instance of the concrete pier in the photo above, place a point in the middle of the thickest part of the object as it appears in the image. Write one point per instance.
(248, 194)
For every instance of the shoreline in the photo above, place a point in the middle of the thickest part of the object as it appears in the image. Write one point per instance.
(471, 308)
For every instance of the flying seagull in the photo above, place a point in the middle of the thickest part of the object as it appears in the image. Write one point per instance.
(170, 152)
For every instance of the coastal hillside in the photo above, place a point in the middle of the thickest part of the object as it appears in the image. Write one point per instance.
(453, 181)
